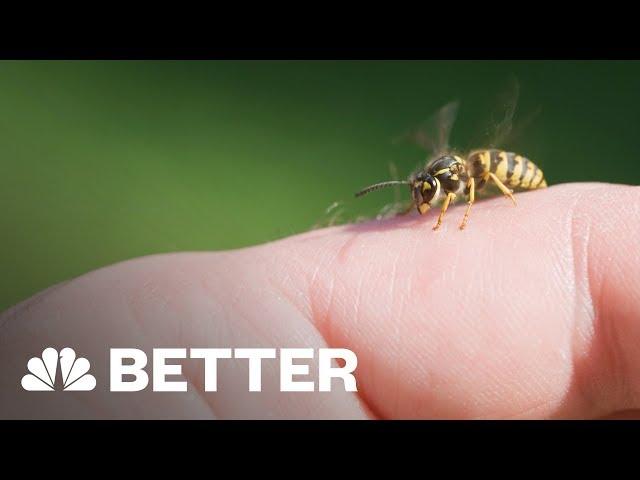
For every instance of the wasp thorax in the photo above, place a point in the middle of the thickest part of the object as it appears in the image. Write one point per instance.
(448, 170)
(424, 190)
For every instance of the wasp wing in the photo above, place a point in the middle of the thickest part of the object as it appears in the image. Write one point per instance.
(501, 127)
(502, 122)
(433, 134)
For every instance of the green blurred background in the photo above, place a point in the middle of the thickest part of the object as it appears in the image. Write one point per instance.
(105, 161)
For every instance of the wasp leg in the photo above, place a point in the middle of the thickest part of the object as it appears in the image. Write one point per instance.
(507, 192)
(471, 186)
(445, 205)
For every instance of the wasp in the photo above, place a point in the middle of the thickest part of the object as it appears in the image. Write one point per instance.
(447, 174)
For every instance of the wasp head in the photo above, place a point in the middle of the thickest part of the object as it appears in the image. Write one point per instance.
(424, 189)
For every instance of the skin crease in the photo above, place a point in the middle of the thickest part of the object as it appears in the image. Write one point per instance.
(531, 312)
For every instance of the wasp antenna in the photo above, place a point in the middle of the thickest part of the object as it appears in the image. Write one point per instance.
(377, 186)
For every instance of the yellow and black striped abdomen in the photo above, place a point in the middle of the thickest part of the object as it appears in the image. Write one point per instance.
(514, 170)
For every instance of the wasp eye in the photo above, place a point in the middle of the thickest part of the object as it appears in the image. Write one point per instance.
(429, 188)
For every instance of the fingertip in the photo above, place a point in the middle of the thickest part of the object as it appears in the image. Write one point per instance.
(548, 285)
(606, 229)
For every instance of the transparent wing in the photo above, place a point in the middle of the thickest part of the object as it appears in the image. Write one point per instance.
(506, 110)
(433, 134)
(501, 128)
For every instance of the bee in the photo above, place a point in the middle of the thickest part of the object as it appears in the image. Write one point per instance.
(447, 174)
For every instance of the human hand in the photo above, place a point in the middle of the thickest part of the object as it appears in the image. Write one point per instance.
(531, 312)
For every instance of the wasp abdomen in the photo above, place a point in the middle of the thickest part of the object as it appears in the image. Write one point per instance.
(512, 169)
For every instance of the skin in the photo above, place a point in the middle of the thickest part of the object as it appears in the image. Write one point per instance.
(530, 312)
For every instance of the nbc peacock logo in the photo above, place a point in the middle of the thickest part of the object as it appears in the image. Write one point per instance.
(73, 372)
